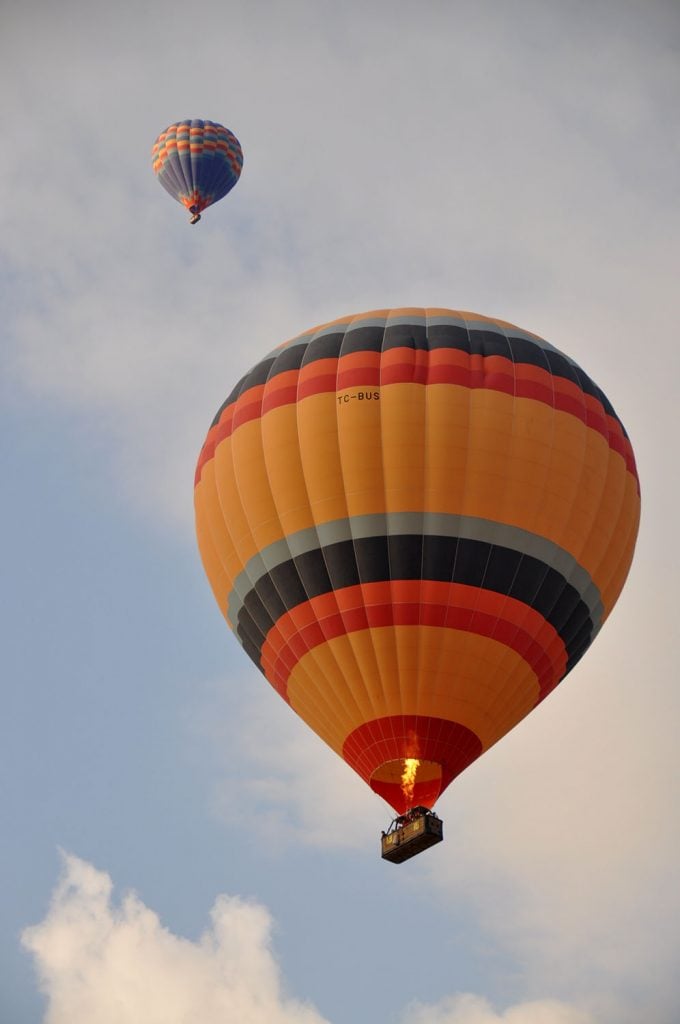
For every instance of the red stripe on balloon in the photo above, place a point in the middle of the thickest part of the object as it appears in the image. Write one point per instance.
(439, 366)
(413, 603)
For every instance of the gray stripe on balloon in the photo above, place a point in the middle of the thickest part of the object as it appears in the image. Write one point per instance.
(420, 320)
(434, 524)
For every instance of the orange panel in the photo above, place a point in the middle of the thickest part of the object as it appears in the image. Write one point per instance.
(459, 676)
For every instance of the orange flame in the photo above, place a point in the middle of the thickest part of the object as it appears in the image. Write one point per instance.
(408, 778)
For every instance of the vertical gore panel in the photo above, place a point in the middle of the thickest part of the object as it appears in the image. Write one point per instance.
(403, 440)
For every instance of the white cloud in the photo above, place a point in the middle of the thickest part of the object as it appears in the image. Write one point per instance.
(471, 1009)
(116, 964)
(113, 962)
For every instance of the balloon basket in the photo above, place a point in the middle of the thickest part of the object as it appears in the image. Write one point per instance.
(410, 834)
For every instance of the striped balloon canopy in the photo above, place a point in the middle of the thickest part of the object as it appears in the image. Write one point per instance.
(197, 162)
(415, 521)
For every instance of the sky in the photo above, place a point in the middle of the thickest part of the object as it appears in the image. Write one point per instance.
(176, 847)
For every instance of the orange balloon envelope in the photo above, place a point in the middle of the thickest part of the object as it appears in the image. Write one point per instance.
(415, 522)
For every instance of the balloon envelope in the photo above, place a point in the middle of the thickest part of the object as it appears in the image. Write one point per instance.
(416, 521)
(197, 162)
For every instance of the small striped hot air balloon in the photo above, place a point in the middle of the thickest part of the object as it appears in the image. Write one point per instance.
(197, 162)
(416, 521)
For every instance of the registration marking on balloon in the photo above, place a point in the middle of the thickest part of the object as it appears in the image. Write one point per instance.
(358, 396)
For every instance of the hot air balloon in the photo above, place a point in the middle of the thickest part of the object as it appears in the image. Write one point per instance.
(415, 522)
(197, 162)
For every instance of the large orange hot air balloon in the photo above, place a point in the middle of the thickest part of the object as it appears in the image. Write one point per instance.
(415, 522)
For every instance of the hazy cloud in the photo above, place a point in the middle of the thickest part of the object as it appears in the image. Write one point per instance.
(267, 760)
(559, 841)
(516, 171)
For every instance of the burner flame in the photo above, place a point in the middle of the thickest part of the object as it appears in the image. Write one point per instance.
(408, 778)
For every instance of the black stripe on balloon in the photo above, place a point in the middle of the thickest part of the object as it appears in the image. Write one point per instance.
(232, 397)
(408, 557)
(260, 373)
(363, 339)
(327, 346)
(289, 359)
(415, 336)
(376, 338)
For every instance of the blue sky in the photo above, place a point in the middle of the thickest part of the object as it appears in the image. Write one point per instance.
(518, 160)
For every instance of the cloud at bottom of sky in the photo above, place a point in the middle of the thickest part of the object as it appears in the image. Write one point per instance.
(115, 962)
(98, 960)
(472, 1009)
